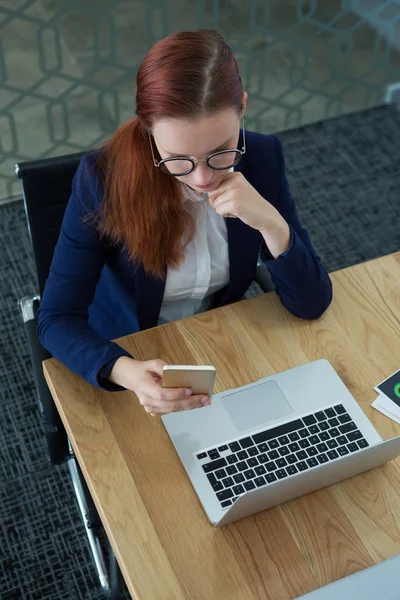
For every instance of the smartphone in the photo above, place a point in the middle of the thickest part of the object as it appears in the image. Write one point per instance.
(200, 378)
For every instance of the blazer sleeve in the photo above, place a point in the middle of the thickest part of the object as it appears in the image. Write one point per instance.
(300, 280)
(78, 260)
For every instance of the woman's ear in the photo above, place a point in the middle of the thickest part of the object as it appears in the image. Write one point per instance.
(244, 104)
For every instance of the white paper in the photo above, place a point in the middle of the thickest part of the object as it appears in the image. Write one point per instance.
(387, 408)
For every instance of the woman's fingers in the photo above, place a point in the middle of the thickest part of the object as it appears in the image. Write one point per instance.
(154, 390)
(156, 366)
(164, 407)
(160, 401)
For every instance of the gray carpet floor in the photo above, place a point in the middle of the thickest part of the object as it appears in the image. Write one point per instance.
(345, 177)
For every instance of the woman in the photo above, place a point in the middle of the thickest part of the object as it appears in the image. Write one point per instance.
(168, 219)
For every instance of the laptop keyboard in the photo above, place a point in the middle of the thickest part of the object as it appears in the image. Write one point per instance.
(279, 452)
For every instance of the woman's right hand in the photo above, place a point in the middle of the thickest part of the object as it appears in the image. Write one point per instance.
(144, 379)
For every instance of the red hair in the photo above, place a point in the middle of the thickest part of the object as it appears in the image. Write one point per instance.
(187, 75)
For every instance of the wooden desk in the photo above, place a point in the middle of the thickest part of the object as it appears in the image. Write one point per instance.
(165, 545)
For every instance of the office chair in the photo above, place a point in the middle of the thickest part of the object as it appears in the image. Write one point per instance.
(46, 187)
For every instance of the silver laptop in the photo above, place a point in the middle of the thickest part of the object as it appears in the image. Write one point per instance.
(274, 440)
(380, 582)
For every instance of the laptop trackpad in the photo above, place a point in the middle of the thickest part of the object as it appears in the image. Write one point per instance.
(259, 404)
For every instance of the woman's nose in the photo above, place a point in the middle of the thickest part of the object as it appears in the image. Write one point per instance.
(202, 175)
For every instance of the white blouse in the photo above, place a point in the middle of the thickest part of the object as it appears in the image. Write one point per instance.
(205, 268)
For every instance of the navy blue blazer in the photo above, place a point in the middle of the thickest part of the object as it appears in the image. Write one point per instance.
(95, 294)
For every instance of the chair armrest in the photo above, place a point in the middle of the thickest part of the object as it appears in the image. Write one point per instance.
(56, 437)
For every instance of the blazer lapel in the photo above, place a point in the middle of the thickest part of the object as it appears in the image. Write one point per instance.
(244, 245)
(149, 297)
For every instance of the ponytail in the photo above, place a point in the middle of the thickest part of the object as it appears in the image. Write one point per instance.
(142, 207)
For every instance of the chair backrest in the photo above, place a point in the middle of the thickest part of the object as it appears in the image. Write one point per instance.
(46, 186)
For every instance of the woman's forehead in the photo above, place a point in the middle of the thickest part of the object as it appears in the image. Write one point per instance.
(200, 137)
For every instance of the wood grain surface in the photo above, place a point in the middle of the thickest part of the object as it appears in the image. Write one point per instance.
(166, 547)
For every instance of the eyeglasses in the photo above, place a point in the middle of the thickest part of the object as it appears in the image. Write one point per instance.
(183, 165)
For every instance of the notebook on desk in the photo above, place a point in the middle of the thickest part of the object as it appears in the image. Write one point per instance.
(274, 440)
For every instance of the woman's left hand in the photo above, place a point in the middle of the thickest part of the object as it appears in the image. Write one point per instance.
(236, 197)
